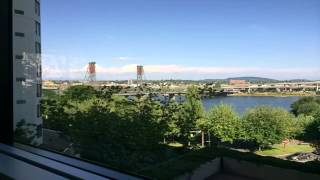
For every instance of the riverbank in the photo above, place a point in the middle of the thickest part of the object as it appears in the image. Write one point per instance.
(302, 94)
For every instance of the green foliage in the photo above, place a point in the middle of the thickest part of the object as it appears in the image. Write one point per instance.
(26, 133)
(54, 115)
(312, 130)
(79, 93)
(306, 105)
(126, 137)
(192, 112)
(308, 121)
(171, 114)
(128, 132)
(49, 94)
(224, 123)
(301, 123)
(266, 125)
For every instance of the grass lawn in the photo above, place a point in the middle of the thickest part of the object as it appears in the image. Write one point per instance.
(278, 150)
(175, 145)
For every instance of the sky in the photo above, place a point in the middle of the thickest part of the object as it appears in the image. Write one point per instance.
(181, 39)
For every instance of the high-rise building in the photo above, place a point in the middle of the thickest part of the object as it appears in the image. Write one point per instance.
(27, 67)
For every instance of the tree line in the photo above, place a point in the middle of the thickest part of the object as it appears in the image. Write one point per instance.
(132, 132)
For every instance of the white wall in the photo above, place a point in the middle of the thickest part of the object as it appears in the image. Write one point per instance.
(27, 67)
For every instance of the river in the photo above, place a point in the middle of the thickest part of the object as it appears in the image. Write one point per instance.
(240, 104)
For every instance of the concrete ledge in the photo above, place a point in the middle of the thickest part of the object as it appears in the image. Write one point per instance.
(265, 172)
(204, 171)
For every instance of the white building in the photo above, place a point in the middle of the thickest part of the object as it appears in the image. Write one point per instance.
(27, 65)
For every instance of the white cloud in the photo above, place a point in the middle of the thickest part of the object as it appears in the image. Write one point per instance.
(63, 67)
(124, 58)
(183, 72)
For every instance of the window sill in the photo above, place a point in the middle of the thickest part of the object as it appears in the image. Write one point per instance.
(33, 163)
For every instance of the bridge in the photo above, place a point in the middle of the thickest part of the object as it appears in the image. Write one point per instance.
(311, 86)
(151, 93)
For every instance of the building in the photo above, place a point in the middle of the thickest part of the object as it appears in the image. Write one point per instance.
(233, 82)
(27, 65)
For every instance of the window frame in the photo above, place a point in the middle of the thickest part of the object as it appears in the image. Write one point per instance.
(37, 7)
(6, 72)
(19, 34)
(31, 155)
(18, 12)
(37, 28)
(39, 90)
(37, 47)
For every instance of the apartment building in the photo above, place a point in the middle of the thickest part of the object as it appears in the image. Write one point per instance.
(27, 66)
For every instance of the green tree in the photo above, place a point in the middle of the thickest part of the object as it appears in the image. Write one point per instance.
(54, 115)
(192, 112)
(312, 131)
(266, 125)
(126, 138)
(224, 123)
(50, 94)
(301, 123)
(79, 93)
(170, 115)
(306, 105)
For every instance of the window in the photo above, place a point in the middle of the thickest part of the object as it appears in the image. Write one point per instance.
(38, 110)
(20, 79)
(19, 34)
(19, 57)
(37, 7)
(39, 70)
(39, 90)
(21, 101)
(159, 80)
(20, 12)
(38, 48)
(38, 28)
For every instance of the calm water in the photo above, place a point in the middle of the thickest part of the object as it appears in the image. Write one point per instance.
(242, 103)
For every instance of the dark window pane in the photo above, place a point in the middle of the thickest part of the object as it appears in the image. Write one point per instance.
(39, 90)
(20, 12)
(21, 101)
(19, 34)
(19, 57)
(20, 79)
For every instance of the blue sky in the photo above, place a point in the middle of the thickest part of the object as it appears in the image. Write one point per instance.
(182, 39)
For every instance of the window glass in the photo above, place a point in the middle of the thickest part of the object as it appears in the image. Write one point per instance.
(137, 85)
(37, 27)
(16, 11)
(39, 90)
(37, 7)
(38, 47)
(19, 34)
(21, 101)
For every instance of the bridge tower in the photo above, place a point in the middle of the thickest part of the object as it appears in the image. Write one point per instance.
(91, 72)
(140, 75)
